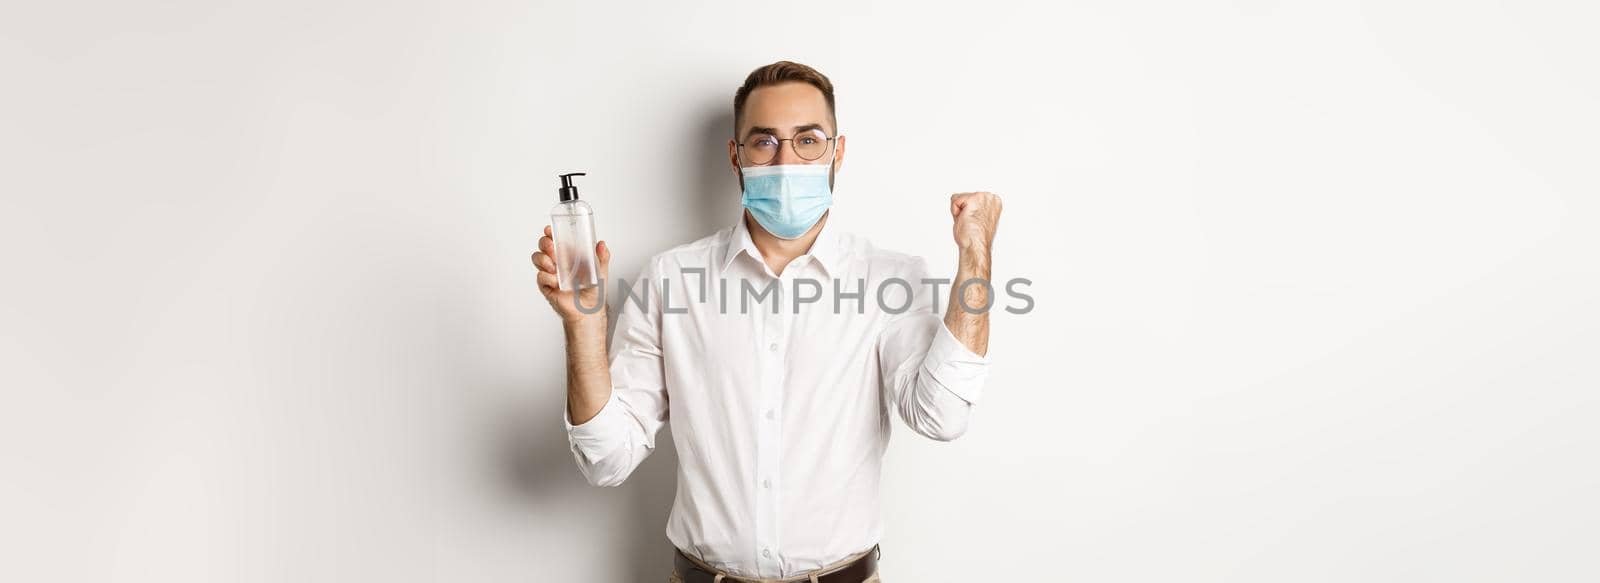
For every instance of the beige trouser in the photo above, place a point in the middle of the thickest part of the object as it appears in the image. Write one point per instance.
(804, 578)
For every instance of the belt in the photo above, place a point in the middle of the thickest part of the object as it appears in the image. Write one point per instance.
(854, 572)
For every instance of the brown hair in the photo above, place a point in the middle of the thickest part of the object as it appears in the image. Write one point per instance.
(782, 72)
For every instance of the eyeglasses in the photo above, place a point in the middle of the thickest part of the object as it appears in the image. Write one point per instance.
(761, 149)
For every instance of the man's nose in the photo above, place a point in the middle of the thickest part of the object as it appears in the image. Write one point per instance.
(786, 154)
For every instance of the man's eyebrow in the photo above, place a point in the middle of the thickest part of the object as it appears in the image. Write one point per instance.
(773, 131)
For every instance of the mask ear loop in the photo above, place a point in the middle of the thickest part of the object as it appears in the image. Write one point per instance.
(832, 165)
(740, 171)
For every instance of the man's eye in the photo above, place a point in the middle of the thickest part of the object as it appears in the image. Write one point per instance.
(808, 140)
(766, 142)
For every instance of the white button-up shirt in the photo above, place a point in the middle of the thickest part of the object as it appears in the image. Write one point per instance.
(780, 418)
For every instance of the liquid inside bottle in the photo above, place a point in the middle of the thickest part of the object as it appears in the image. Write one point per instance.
(572, 227)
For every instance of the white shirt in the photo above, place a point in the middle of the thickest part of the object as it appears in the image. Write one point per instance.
(780, 420)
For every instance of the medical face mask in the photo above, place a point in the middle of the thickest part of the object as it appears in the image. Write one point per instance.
(787, 199)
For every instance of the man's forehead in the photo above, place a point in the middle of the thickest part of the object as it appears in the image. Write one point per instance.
(786, 106)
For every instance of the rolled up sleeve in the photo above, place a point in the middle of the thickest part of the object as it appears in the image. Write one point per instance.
(955, 367)
(602, 434)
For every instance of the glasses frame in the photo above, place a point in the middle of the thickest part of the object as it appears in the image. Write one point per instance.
(793, 148)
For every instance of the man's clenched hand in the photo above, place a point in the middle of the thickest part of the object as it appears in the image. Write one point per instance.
(976, 216)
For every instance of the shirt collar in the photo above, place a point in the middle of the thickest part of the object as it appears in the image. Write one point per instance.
(824, 250)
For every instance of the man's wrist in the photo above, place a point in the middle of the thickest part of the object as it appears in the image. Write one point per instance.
(586, 350)
(586, 326)
(975, 256)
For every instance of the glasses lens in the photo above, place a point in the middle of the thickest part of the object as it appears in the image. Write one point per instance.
(811, 144)
(760, 149)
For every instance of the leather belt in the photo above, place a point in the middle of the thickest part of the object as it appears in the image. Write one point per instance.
(855, 572)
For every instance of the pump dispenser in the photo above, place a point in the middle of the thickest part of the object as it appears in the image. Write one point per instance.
(572, 227)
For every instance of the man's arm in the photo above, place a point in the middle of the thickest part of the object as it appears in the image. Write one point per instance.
(615, 406)
(588, 370)
(934, 371)
(975, 215)
(588, 373)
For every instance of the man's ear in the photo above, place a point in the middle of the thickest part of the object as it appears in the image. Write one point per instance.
(733, 160)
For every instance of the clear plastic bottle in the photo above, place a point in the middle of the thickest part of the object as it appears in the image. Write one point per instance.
(572, 227)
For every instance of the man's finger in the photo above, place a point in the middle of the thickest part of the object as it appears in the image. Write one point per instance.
(603, 253)
(544, 262)
(547, 245)
(548, 282)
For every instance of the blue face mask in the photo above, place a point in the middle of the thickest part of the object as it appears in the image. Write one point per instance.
(787, 199)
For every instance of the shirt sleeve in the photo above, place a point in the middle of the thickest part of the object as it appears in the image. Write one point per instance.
(929, 376)
(616, 440)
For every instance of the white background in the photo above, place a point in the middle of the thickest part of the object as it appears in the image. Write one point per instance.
(1316, 282)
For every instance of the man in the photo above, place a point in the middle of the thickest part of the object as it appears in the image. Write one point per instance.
(780, 410)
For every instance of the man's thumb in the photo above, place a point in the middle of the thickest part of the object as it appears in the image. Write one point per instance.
(603, 253)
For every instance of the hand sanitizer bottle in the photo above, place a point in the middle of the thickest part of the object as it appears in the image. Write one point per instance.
(572, 227)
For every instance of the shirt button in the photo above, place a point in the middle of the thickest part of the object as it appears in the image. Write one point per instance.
(770, 415)
(773, 347)
(766, 483)
(766, 553)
